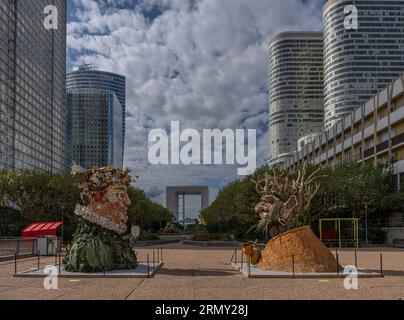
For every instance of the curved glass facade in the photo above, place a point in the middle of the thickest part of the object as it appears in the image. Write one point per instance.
(96, 127)
(85, 78)
(32, 87)
(359, 63)
(296, 100)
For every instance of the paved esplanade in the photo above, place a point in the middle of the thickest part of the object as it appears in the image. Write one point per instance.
(192, 273)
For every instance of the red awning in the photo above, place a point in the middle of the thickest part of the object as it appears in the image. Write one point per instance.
(41, 229)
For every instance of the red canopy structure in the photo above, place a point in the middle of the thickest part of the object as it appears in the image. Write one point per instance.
(43, 229)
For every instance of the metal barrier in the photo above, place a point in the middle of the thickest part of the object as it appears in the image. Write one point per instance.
(9, 247)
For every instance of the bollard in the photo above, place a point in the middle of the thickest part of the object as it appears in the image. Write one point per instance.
(236, 259)
(15, 263)
(356, 259)
(242, 260)
(337, 264)
(18, 246)
(158, 255)
(148, 267)
(161, 255)
(60, 261)
(381, 264)
(232, 257)
(39, 258)
(293, 265)
(154, 260)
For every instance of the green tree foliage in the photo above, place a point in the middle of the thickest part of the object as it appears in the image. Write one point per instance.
(345, 189)
(38, 197)
(233, 211)
(146, 213)
(351, 188)
(27, 197)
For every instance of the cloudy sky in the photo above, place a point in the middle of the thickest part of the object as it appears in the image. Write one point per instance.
(200, 62)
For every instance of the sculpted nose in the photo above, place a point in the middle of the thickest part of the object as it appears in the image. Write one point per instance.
(128, 202)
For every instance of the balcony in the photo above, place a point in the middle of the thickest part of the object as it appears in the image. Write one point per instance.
(369, 152)
(397, 139)
(382, 146)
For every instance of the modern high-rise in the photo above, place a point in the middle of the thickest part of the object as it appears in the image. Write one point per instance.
(296, 99)
(96, 118)
(32, 86)
(360, 62)
(87, 78)
(95, 130)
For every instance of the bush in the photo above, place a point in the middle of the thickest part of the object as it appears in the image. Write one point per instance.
(206, 236)
(147, 237)
(377, 236)
(169, 230)
(195, 227)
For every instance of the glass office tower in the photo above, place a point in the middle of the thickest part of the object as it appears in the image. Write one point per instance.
(359, 63)
(87, 78)
(95, 129)
(296, 99)
(32, 86)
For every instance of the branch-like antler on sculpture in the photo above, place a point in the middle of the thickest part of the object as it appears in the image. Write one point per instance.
(284, 200)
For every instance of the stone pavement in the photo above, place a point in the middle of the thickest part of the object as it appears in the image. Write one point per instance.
(205, 274)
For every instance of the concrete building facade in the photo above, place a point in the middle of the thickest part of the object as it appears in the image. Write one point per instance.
(374, 131)
(175, 199)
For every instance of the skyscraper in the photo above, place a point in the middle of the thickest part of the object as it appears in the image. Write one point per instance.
(360, 62)
(96, 118)
(86, 78)
(32, 86)
(295, 90)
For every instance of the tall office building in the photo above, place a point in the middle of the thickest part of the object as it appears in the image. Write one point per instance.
(96, 120)
(87, 78)
(296, 99)
(32, 86)
(360, 62)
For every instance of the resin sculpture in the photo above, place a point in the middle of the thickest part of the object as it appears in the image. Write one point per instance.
(102, 240)
(284, 215)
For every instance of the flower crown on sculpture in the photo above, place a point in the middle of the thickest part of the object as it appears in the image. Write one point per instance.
(98, 179)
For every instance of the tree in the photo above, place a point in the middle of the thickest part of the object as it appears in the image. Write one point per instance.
(344, 189)
(147, 214)
(27, 197)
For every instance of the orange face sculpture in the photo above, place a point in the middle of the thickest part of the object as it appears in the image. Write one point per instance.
(106, 199)
(113, 204)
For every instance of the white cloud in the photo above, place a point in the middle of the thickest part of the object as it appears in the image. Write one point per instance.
(202, 62)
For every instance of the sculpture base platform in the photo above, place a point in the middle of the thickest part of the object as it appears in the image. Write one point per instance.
(298, 251)
(250, 271)
(144, 270)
